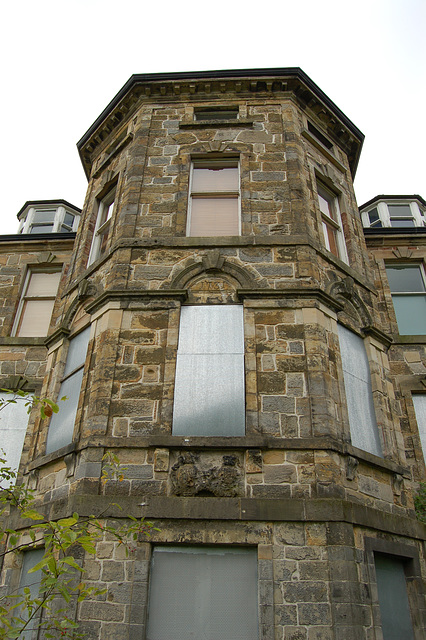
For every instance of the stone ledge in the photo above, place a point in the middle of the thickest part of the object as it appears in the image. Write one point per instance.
(241, 509)
(13, 341)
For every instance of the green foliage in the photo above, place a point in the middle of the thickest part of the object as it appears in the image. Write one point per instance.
(420, 503)
(64, 542)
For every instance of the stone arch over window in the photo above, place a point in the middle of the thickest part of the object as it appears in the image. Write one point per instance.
(351, 303)
(213, 266)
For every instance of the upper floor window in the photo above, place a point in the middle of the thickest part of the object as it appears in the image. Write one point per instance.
(407, 283)
(358, 390)
(209, 384)
(36, 304)
(48, 217)
(216, 114)
(214, 204)
(402, 213)
(331, 222)
(103, 223)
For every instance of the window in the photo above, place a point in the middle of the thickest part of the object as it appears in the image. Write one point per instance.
(209, 387)
(331, 222)
(359, 394)
(103, 222)
(419, 402)
(203, 593)
(50, 216)
(408, 287)
(319, 136)
(13, 427)
(216, 114)
(31, 581)
(397, 213)
(36, 304)
(393, 599)
(214, 202)
(61, 426)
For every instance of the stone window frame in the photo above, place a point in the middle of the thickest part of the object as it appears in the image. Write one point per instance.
(409, 555)
(141, 581)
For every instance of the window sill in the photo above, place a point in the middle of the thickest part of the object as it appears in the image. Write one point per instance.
(401, 339)
(26, 341)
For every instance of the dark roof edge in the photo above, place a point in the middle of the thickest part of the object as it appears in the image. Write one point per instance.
(394, 231)
(386, 197)
(48, 202)
(227, 73)
(28, 237)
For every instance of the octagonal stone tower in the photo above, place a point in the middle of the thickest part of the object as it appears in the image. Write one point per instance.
(219, 332)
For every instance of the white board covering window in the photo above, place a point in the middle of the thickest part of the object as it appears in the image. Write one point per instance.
(393, 599)
(207, 593)
(32, 582)
(209, 386)
(419, 402)
(13, 427)
(36, 304)
(359, 395)
(61, 426)
(214, 202)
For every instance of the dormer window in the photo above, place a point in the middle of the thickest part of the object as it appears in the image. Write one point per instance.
(397, 213)
(48, 216)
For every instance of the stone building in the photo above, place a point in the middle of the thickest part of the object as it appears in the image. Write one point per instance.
(224, 328)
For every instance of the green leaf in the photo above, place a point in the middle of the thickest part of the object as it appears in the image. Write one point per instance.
(32, 514)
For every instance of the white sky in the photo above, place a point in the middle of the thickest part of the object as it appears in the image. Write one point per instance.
(63, 61)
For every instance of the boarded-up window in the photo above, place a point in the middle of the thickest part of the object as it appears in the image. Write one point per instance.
(419, 402)
(13, 427)
(214, 202)
(393, 599)
(61, 426)
(359, 394)
(203, 592)
(209, 388)
(36, 304)
(32, 582)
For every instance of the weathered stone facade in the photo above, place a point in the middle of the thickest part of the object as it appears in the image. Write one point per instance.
(315, 506)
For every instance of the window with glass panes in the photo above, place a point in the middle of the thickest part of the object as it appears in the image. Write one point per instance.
(103, 222)
(214, 203)
(36, 304)
(408, 287)
(331, 222)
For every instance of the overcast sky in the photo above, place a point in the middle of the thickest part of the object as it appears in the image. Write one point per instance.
(63, 61)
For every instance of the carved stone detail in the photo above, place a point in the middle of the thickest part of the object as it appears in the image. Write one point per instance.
(194, 475)
(351, 467)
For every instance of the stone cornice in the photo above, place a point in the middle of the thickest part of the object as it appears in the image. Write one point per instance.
(282, 83)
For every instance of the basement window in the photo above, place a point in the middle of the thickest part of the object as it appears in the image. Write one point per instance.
(204, 593)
